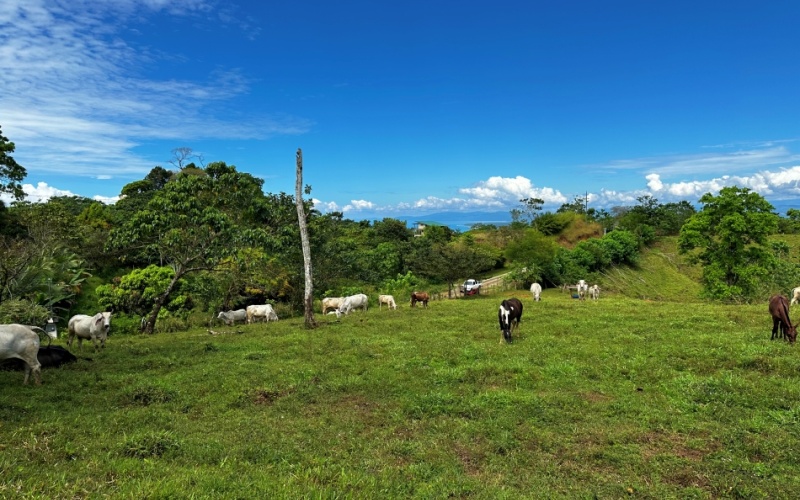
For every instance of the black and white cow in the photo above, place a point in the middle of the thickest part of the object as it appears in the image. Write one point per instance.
(509, 315)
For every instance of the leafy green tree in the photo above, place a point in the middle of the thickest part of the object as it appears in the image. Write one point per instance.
(728, 237)
(191, 225)
(11, 172)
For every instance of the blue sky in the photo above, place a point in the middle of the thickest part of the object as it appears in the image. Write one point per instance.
(413, 107)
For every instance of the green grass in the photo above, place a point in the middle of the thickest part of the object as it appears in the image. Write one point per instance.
(608, 398)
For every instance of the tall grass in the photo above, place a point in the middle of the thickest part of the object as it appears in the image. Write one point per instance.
(600, 398)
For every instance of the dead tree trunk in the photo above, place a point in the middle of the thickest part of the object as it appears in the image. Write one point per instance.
(308, 303)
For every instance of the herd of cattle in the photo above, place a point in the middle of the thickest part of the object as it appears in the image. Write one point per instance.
(20, 346)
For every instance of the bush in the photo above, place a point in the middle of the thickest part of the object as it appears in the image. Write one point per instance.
(24, 312)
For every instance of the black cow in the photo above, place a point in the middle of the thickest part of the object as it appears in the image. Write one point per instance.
(48, 356)
(509, 315)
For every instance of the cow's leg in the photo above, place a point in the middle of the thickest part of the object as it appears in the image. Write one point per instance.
(775, 322)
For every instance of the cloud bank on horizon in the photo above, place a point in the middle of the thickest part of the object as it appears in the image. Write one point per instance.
(90, 106)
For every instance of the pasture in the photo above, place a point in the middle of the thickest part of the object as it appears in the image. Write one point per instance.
(611, 398)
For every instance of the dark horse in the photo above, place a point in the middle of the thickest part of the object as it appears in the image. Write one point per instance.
(779, 309)
(509, 315)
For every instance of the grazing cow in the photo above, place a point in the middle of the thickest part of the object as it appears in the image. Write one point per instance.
(94, 328)
(263, 312)
(779, 309)
(420, 297)
(331, 303)
(594, 292)
(21, 342)
(388, 300)
(231, 317)
(357, 301)
(582, 289)
(536, 291)
(49, 357)
(795, 295)
(509, 315)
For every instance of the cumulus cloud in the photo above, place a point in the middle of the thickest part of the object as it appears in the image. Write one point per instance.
(500, 190)
(74, 98)
(41, 192)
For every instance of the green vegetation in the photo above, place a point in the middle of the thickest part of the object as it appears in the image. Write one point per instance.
(596, 399)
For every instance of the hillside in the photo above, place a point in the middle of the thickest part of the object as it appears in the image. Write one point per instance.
(662, 274)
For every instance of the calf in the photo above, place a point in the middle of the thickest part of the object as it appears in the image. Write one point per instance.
(779, 310)
(594, 292)
(509, 315)
(388, 300)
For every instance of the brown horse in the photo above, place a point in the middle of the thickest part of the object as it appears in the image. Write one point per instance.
(779, 309)
(420, 297)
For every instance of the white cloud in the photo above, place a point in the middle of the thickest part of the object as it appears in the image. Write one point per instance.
(357, 205)
(74, 100)
(41, 192)
(757, 157)
(499, 190)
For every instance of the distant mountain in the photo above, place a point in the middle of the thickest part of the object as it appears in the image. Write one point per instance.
(781, 206)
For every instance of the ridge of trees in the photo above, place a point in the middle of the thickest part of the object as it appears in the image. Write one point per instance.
(200, 239)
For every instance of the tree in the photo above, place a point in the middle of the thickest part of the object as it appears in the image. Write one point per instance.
(529, 210)
(190, 226)
(728, 237)
(11, 172)
(308, 302)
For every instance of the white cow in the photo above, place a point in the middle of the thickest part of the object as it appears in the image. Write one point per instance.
(231, 317)
(357, 301)
(331, 303)
(21, 342)
(582, 289)
(264, 311)
(388, 300)
(536, 291)
(795, 295)
(94, 328)
(594, 292)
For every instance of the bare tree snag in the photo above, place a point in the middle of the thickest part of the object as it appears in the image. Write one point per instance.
(308, 303)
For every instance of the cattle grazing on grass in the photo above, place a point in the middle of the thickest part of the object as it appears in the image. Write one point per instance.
(536, 291)
(594, 292)
(388, 300)
(260, 312)
(509, 315)
(357, 301)
(331, 304)
(94, 328)
(583, 288)
(781, 324)
(420, 297)
(795, 295)
(21, 342)
(230, 318)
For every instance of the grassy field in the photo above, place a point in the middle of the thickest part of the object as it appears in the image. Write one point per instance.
(613, 398)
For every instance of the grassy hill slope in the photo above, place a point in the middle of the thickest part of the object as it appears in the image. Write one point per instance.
(662, 274)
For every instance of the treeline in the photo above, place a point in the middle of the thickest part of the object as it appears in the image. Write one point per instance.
(181, 245)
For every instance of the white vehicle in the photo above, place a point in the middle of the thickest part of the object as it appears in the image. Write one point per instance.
(471, 287)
